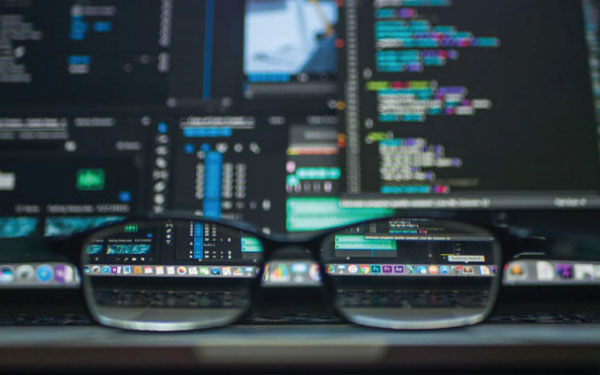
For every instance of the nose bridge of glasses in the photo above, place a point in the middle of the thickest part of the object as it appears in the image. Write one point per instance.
(282, 251)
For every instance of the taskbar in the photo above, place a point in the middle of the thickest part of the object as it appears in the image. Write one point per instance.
(400, 270)
(277, 272)
(35, 275)
(295, 273)
(551, 272)
(236, 271)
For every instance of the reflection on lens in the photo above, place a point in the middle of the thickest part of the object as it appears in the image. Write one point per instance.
(170, 275)
(413, 273)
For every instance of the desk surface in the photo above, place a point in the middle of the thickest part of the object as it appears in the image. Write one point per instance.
(482, 346)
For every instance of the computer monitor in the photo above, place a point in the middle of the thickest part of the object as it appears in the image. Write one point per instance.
(293, 115)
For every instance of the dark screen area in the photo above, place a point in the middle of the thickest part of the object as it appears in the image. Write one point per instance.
(293, 115)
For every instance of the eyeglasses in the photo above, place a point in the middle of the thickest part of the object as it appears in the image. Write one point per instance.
(185, 274)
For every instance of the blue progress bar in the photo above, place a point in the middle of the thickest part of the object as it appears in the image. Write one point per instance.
(211, 206)
(207, 132)
(198, 241)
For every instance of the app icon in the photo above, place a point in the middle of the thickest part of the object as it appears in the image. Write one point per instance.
(410, 269)
(114, 270)
(86, 269)
(584, 271)
(171, 270)
(422, 270)
(484, 270)
(516, 269)
(364, 269)
(106, 270)
(6, 275)
(387, 268)
(137, 270)
(148, 270)
(375, 268)
(226, 271)
(299, 267)
(127, 270)
(215, 271)
(96, 269)
(25, 272)
(564, 270)
(314, 273)
(69, 274)
(433, 270)
(353, 268)
(494, 269)
(181, 271)
(63, 274)
(160, 270)
(280, 273)
(341, 268)
(204, 271)
(45, 273)
(545, 271)
(331, 269)
(468, 269)
(399, 268)
(444, 270)
(597, 271)
(193, 271)
(238, 271)
(250, 271)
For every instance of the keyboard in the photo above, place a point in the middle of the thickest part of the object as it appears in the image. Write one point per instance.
(300, 318)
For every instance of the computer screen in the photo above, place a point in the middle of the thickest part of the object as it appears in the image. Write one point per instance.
(293, 115)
